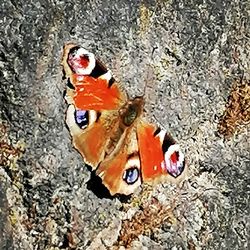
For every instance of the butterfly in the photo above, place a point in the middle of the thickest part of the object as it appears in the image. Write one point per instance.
(109, 130)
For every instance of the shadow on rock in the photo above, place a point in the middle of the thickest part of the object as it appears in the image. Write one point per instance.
(95, 185)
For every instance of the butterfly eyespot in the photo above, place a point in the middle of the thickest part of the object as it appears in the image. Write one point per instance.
(82, 118)
(81, 61)
(174, 161)
(131, 175)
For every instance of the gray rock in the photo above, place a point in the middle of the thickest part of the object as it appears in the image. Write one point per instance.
(188, 53)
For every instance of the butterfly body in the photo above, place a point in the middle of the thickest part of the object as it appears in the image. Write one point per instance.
(109, 129)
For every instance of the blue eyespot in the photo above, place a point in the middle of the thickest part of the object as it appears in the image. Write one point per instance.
(82, 118)
(131, 175)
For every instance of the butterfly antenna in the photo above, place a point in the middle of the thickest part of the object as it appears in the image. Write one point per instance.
(159, 123)
(150, 77)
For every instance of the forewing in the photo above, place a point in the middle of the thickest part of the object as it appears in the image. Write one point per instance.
(160, 156)
(94, 99)
(91, 85)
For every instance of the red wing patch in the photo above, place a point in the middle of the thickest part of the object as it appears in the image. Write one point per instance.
(95, 94)
(151, 153)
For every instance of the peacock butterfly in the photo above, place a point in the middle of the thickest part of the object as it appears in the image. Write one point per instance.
(109, 129)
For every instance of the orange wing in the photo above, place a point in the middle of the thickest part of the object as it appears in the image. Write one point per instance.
(94, 99)
(90, 84)
(147, 154)
(160, 155)
(120, 172)
(96, 94)
(87, 139)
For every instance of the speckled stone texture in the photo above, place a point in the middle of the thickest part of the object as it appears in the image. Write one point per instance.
(188, 53)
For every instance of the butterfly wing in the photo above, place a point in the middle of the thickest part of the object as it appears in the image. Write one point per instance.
(90, 84)
(147, 154)
(121, 171)
(91, 132)
(94, 99)
(160, 156)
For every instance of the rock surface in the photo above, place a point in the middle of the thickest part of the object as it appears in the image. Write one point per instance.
(189, 53)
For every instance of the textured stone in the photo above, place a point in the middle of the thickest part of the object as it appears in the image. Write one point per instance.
(188, 53)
